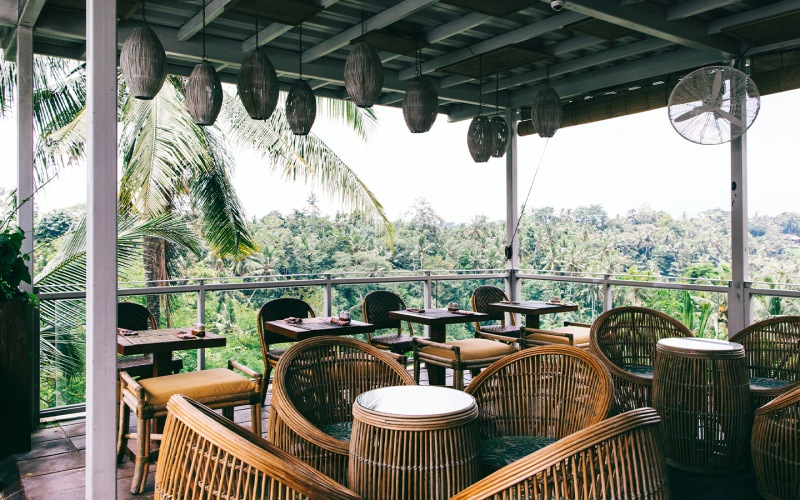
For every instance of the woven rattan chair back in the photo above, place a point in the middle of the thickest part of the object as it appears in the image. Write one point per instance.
(134, 316)
(285, 307)
(202, 454)
(776, 447)
(772, 353)
(376, 306)
(625, 340)
(546, 391)
(315, 385)
(485, 295)
(616, 458)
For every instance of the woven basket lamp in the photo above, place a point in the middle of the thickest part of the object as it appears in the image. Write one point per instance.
(546, 112)
(420, 105)
(479, 139)
(258, 85)
(204, 94)
(301, 107)
(143, 63)
(363, 75)
(499, 130)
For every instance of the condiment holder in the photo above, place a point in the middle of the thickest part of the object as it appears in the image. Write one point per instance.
(452, 307)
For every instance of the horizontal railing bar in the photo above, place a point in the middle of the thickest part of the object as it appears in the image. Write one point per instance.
(794, 294)
(627, 283)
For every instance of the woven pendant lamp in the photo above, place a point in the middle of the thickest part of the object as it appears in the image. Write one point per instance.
(499, 131)
(301, 103)
(203, 89)
(363, 75)
(546, 112)
(301, 108)
(420, 105)
(204, 94)
(479, 139)
(143, 62)
(258, 83)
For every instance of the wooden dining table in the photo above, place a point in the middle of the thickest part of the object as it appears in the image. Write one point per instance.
(532, 309)
(161, 343)
(315, 327)
(437, 320)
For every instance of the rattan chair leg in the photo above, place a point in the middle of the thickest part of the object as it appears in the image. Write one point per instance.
(255, 416)
(142, 455)
(228, 413)
(458, 379)
(416, 369)
(123, 426)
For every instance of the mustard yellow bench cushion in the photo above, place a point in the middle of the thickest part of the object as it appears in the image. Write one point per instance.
(197, 385)
(580, 335)
(472, 349)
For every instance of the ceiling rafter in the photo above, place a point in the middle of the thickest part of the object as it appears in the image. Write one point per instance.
(757, 14)
(693, 7)
(519, 35)
(213, 10)
(275, 30)
(651, 20)
(28, 12)
(376, 22)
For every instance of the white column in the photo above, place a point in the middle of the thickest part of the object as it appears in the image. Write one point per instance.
(738, 304)
(512, 202)
(101, 258)
(24, 113)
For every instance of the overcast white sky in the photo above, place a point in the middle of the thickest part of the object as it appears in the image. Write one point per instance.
(619, 164)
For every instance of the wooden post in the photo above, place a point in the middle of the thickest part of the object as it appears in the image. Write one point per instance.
(17, 360)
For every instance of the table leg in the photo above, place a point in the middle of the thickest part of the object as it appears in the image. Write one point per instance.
(532, 321)
(436, 373)
(162, 363)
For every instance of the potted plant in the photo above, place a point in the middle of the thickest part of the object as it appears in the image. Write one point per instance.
(18, 348)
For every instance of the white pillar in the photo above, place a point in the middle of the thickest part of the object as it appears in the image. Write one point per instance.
(24, 113)
(738, 304)
(101, 258)
(512, 202)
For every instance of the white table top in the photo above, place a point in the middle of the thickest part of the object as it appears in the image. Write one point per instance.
(415, 400)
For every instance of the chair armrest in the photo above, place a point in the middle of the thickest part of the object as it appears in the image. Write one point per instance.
(247, 371)
(132, 384)
(499, 338)
(440, 345)
(403, 360)
(532, 331)
(573, 323)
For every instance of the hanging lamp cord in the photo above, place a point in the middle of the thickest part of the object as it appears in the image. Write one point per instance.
(480, 85)
(144, 13)
(204, 30)
(509, 245)
(300, 51)
(497, 94)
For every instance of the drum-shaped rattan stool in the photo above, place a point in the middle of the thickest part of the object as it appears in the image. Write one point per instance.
(413, 442)
(702, 394)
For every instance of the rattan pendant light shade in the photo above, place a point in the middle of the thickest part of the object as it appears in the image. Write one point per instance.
(258, 85)
(499, 130)
(204, 94)
(143, 63)
(301, 108)
(363, 75)
(546, 112)
(479, 139)
(420, 105)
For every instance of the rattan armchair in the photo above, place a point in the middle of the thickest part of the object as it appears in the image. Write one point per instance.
(775, 445)
(134, 316)
(772, 351)
(616, 458)
(314, 387)
(625, 340)
(480, 300)
(205, 455)
(535, 397)
(285, 307)
(375, 309)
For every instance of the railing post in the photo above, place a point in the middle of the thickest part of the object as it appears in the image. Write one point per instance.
(327, 294)
(608, 298)
(427, 297)
(201, 318)
(513, 290)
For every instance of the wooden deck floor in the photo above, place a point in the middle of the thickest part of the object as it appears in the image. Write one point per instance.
(55, 468)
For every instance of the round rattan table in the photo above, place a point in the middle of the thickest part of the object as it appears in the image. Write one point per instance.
(702, 394)
(413, 442)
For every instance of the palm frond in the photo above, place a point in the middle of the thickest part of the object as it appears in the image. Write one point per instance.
(307, 158)
(362, 121)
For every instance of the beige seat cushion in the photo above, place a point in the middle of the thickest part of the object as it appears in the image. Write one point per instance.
(196, 385)
(472, 349)
(580, 335)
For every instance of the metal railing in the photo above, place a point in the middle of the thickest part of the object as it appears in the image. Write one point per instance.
(513, 280)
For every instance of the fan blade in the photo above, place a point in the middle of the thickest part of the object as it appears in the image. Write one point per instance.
(735, 121)
(717, 86)
(694, 112)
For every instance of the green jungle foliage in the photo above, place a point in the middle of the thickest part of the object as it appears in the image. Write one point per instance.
(643, 245)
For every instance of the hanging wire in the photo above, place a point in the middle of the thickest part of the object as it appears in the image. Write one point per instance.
(256, 18)
(480, 85)
(497, 94)
(300, 51)
(204, 30)
(525, 203)
(144, 13)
